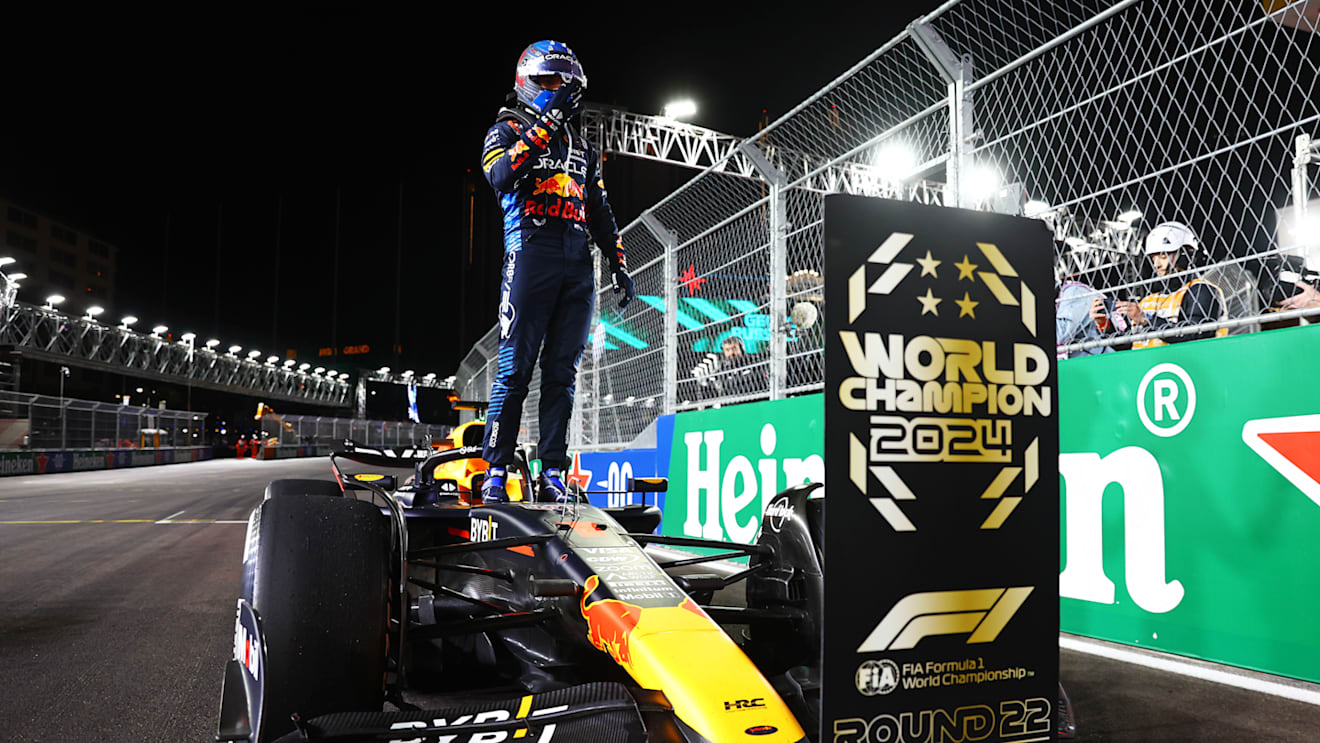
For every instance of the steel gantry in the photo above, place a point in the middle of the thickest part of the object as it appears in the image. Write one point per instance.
(678, 143)
(49, 335)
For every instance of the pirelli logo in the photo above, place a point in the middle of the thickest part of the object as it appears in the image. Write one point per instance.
(980, 613)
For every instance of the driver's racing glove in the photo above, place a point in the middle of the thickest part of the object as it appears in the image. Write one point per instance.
(561, 107)
(619, 278)
(552, 486)
(492, 488)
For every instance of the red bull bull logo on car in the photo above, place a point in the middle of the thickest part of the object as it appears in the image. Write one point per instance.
(610, 623)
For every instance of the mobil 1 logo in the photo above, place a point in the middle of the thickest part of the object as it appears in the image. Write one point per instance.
(941, 431)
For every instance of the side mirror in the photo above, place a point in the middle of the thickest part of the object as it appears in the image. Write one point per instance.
(447, 487)
(648, 484)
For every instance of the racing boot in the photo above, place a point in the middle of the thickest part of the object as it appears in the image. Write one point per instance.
(552, 487)
(492, 488)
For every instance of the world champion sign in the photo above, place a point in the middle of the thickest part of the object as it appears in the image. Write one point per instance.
(941, 440)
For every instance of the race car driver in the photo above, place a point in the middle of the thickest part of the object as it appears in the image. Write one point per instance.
(548, 180)
(1172, 248)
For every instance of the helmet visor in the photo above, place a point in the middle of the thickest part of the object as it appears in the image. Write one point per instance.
(562, 65)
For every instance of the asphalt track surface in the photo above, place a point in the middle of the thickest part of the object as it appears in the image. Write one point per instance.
(117, 594)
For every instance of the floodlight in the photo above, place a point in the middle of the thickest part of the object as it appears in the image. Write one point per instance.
(94, 310)
(253, 354)
(235, 349)
(1035, 208)
(159, 329)
(1129, 216)
(213, 342)
(679, 109)
(982, 182)
(17, 276)
(272, 359)
(6, 261)
(304, 366)
(895, 161)
(53, 300)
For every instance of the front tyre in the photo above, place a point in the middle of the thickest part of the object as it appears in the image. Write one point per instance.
(320, 586)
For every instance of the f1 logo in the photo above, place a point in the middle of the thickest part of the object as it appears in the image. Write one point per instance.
(981, 612)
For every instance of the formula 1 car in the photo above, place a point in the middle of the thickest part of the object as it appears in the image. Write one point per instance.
(415, 614)
(411, 613)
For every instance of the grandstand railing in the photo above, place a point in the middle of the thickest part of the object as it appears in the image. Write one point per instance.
(1100, 118)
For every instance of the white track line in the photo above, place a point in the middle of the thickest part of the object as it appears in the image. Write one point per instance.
(167, 519)
(1248, 680)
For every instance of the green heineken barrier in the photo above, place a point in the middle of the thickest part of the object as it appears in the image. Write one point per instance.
(1190, 522)
(727, 464)
(1188, 526)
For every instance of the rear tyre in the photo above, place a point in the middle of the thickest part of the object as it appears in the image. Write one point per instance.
(321, 590)
(302, 486)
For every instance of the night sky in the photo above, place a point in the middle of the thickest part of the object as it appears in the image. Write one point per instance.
(178, 138)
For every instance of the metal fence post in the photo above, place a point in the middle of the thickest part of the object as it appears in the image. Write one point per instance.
(595, 359)
(958, 74)
(669, 241)
(778, 236)
(1301, 182)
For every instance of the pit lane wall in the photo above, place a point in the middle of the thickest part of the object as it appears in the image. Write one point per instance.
(46, 461)
(1190, 492)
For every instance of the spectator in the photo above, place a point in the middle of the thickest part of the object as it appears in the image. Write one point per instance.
(1172, 248)
(1307, 296)
(1072, 322)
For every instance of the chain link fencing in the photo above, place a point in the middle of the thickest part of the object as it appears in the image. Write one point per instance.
(29, 421)
(1102, 119)
(314, 430)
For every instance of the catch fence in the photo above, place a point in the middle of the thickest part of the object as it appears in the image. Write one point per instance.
(29, 421)
(1102, 119)
(315, 430)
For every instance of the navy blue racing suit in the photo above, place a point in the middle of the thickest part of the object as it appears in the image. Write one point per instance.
(552, 196)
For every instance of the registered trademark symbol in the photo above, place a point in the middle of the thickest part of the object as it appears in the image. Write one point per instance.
(1172, 401)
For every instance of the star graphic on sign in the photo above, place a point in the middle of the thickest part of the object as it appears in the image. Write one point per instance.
(577, 474)
(689, 280)
(965, 269)
(928, 265)
(929, 303)
(966, 305)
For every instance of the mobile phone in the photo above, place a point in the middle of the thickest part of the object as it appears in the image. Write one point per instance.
(1116, 318)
